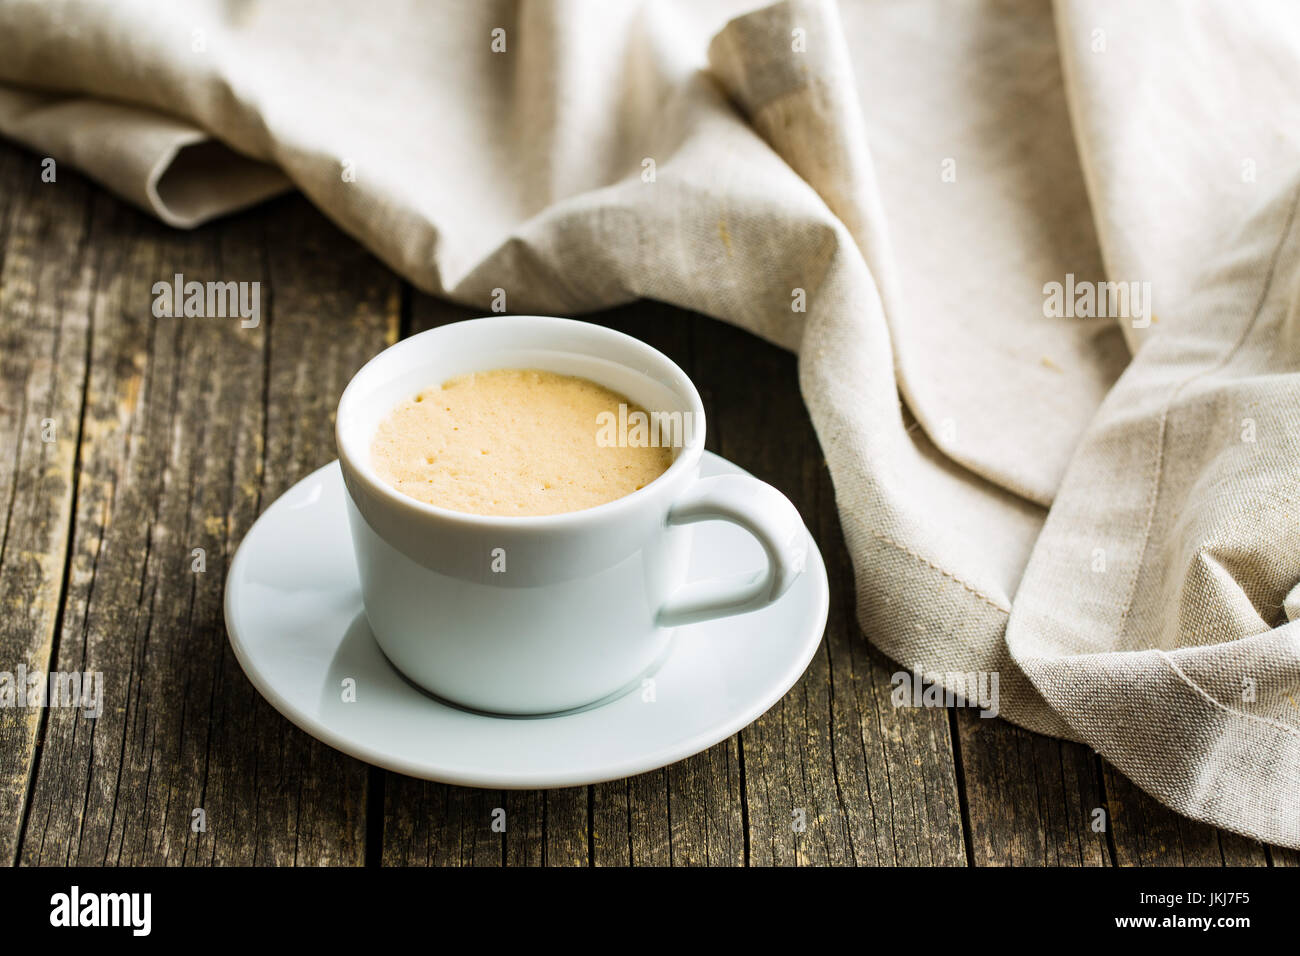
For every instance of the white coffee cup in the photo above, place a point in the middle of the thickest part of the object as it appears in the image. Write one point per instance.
(533, 615)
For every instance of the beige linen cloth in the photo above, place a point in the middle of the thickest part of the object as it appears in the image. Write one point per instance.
(1105, 511)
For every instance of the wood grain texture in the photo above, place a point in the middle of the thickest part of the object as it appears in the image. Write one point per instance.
(46, 264)
(332, 306)
(868, 783)
(1032, 800)
(1281, 856)
(630, 822)
(429, 824)
(191, 425)
(174, 434)
(1147, 833)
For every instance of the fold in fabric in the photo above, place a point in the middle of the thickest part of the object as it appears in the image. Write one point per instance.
(1097, 507)
(164, 166)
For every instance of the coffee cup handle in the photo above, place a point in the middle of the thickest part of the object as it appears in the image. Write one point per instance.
(766, 514)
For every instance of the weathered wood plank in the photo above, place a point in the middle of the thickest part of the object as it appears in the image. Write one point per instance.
(428, 824)
(757, 421)
(45, 269)
(705, 809)
(332, 307)
(551, 827)
(1031, 798)
(902, 758)
(868, 783)
(1147, 833)
(183, 444)
(1281, 856)
(99, 797)
(630, 822)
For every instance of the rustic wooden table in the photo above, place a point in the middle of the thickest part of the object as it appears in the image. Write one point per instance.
(174, 434)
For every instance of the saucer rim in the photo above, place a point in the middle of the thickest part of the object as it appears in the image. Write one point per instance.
(641, 762)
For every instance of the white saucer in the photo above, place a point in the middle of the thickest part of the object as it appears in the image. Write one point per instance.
(293, 610)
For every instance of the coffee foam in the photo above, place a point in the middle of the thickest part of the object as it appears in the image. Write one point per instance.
(511, 442)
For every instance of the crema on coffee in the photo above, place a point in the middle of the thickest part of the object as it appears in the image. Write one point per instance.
(511, 442)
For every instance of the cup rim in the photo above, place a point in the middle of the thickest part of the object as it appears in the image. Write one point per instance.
(358, 464)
